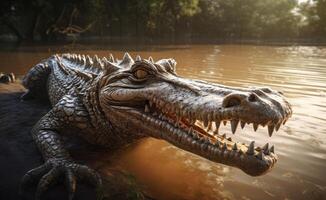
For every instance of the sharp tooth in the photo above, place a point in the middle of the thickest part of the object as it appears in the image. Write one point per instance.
(205, 121)
(225, 122)
(234, 125)
(242, 123)
(277, 127)
(217, 124)
(230, 139)
(146, 108)
(255, 126)
(270, 130)
(272, 149)
(235, 147)
(261, 155)
(209, 126)
(265, 147)
(251, 148)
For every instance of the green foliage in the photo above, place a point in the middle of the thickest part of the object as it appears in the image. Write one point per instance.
(249, 18)
(171, 19)
(314, 21)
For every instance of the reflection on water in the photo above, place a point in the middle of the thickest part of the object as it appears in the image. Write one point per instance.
(168, 173)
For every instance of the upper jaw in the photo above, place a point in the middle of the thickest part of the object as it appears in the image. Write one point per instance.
(192, 125)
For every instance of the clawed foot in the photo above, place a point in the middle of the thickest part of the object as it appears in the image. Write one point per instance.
(53, 170)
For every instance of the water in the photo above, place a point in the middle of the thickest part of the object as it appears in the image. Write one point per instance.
(169, 173)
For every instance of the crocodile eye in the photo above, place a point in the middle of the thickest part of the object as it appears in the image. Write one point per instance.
(140, 74)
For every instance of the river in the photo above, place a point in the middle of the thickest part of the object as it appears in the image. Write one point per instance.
(169, 173)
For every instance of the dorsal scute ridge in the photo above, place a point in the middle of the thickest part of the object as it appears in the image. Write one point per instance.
(111, 58)
(126, 61)
(108, 66)
(61, 66)
(150, 59)
(97, 62)
(95, 65)
(89, 61)
(138, 58)
(83, 57)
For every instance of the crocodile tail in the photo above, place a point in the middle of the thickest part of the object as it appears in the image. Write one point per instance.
(36, 81)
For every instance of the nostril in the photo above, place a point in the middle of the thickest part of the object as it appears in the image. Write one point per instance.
(266, 90)
(234, 101)
(252, 98)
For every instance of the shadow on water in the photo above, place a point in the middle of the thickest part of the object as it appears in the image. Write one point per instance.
(168, 173)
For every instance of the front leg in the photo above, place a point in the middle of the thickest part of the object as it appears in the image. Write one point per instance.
(58, 163)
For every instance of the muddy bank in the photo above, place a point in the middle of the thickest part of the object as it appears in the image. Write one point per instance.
(19, 153)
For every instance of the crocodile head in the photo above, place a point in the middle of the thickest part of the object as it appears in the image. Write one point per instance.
(148, 98)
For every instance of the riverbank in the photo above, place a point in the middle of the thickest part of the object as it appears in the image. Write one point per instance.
(106, 40)
(19, 154)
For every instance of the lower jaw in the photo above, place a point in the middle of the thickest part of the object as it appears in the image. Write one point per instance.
(229, 158)
(233, 158)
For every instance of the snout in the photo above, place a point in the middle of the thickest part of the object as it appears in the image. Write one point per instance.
(238, 99)
(259, 106)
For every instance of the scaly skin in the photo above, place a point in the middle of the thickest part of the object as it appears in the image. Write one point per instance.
(112, 103)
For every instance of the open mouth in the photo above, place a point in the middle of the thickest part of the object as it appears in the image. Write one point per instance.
(206, 132)
(200, 135)
(197, 130)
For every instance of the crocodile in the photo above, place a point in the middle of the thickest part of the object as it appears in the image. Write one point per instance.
(113, 102)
